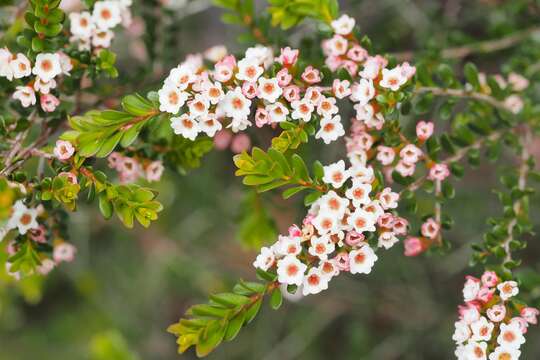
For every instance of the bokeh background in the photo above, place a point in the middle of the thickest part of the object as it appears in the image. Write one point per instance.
(117, 298)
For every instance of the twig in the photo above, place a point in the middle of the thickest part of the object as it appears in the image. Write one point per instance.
(481, 47)
(463, 94)
(518, 204)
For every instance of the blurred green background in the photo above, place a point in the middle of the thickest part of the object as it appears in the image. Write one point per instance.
(125, 287)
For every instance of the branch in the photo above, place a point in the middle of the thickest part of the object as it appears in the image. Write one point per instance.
(480, 47)
(463, 94)
(517, 207)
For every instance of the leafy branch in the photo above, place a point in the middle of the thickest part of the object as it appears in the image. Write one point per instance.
(205, 326)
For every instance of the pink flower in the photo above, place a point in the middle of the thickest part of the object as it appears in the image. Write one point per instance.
(295, 231)
(485, 294)
(222, 139)
(38, 234)
(424, 130)
(469, 312)
(530, 315)
(291, 93)
(261, 117)
(496, 313)
(438, 172)
(333, 62)
(400, 225)
(308, 220)
(311, 75)
(430, 228)
(341, 89)
(413, 246)
(154, 171)
(357, 53)
(350, 66)
(288, 56)
(386, 221)
(490, 278)
(49, 102)
(64, 252)
(353, 238)
(71, 177)
(407, 70)
(63, 150)
(240, 143)
(249, 89)
(114, 160)
(341, 261)
(283, 77)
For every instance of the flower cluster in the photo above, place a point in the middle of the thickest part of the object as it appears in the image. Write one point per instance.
(339, 233)
(25, 221)
(492, 324)
(130, 169)
(515, 83)
(94, 30)
(39, 78)
(201, 99)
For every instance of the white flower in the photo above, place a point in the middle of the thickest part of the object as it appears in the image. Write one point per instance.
(23, 218)
(81, 24)
(470, 314)
(102, 38)
(362, 92)
(364, 112)
(215, 53)
(514, 103)
(185, 126)
(359, 192)
(392, 79)
(44, 87)
(482, 329)
(510, 336)
(249, 70)
(331, 129)
(20, 66)
(387, 239)
(361, 220)
(388, 199)
(106, 14)
(337, 45)
(476, 351)
(213, 92)
(262, 55)
(290, 270)
(375, 209)
(504, 353)
(302, 109)
(236, 105)
(328, 269)
(341, 88)
(198, 106)
(47, 66)
(362, 173)
(508, 289)
(269, 89)
(404, 168)
(321, 247)
(47, 265)
(362, 260)
(171, 99)
(462, 332)
(344, 25)
(335, 174)
(277, 112)
(471, 289)
(209, 124)
(5, 69)
(334, 203)
(314, 95)
(326, 222)
(371, 69)
(265, 259)
(327, 107)
(26, 95)
(314, 282)
(287, 245)
(181, 76)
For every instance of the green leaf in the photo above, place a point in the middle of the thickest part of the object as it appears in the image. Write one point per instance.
(276, 299)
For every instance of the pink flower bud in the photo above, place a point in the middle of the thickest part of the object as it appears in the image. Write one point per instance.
(413, 246)
(222, 139)
(63, 150)
(490, 278)
(530, 314)
(283, 77)
(342, 261)
(291, 93)
(240, 143)
(311, 75)
(438, 172)
(295, 231)
(353, 238)
(249, 89)
(261, 117)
